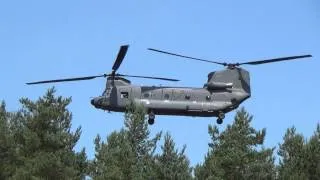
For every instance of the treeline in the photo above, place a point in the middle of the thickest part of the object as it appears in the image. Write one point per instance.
(36, 142)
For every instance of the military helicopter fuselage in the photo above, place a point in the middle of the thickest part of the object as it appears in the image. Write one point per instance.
(224, 90)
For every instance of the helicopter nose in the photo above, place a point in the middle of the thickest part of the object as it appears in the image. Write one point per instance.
(94, 101)
(100, 102)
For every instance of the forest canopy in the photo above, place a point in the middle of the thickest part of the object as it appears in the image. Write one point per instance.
(36, 142)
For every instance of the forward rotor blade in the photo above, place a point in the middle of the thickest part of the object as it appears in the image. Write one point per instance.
(188, 57)
(147, 77)
(121, 54)
(275, 60)
(67, 79)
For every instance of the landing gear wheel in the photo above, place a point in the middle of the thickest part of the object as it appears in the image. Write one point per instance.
(219, 121)
(151, 118)
(221, 116)
(150, 121)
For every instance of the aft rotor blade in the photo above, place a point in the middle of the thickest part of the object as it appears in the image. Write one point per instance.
(188, 57)
(275, 60)
(121, 54)
(66, 79)
(148, 77)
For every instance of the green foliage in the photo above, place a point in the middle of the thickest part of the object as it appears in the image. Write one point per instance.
(235, 153)
(7, 155)
(300, 158)
(36, 142)
(172, 164)
(313, 155)
(42, 142)
(127, 154)
(130, 153)
(113, 159)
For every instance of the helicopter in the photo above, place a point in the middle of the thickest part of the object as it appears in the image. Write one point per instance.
(223, 92)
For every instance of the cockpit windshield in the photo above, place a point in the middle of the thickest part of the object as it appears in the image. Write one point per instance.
(107, 92)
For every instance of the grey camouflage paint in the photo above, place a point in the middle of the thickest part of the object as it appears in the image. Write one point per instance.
(223, 92)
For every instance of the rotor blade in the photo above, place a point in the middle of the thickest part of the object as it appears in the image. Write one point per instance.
(188, 57)
(147, 77)
(67, 79)
(121, 54)
(275, 60)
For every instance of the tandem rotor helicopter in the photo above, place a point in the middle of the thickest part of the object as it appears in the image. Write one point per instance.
(223, 92)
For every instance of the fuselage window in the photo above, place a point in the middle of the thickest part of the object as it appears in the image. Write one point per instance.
(208, 98)
(146, 95)
(124, 95)
(166, 96)
(187, 96)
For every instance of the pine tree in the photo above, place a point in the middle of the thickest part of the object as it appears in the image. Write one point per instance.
(7, 154)
(4, 145)
(42, 141)
(172, 164)
(113, 159)
(127, 154)
(292, 152)
(300, 158)
(237, 152)
(313, 155)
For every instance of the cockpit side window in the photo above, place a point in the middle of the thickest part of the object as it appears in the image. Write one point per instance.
(146, 95)
(124, 95)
